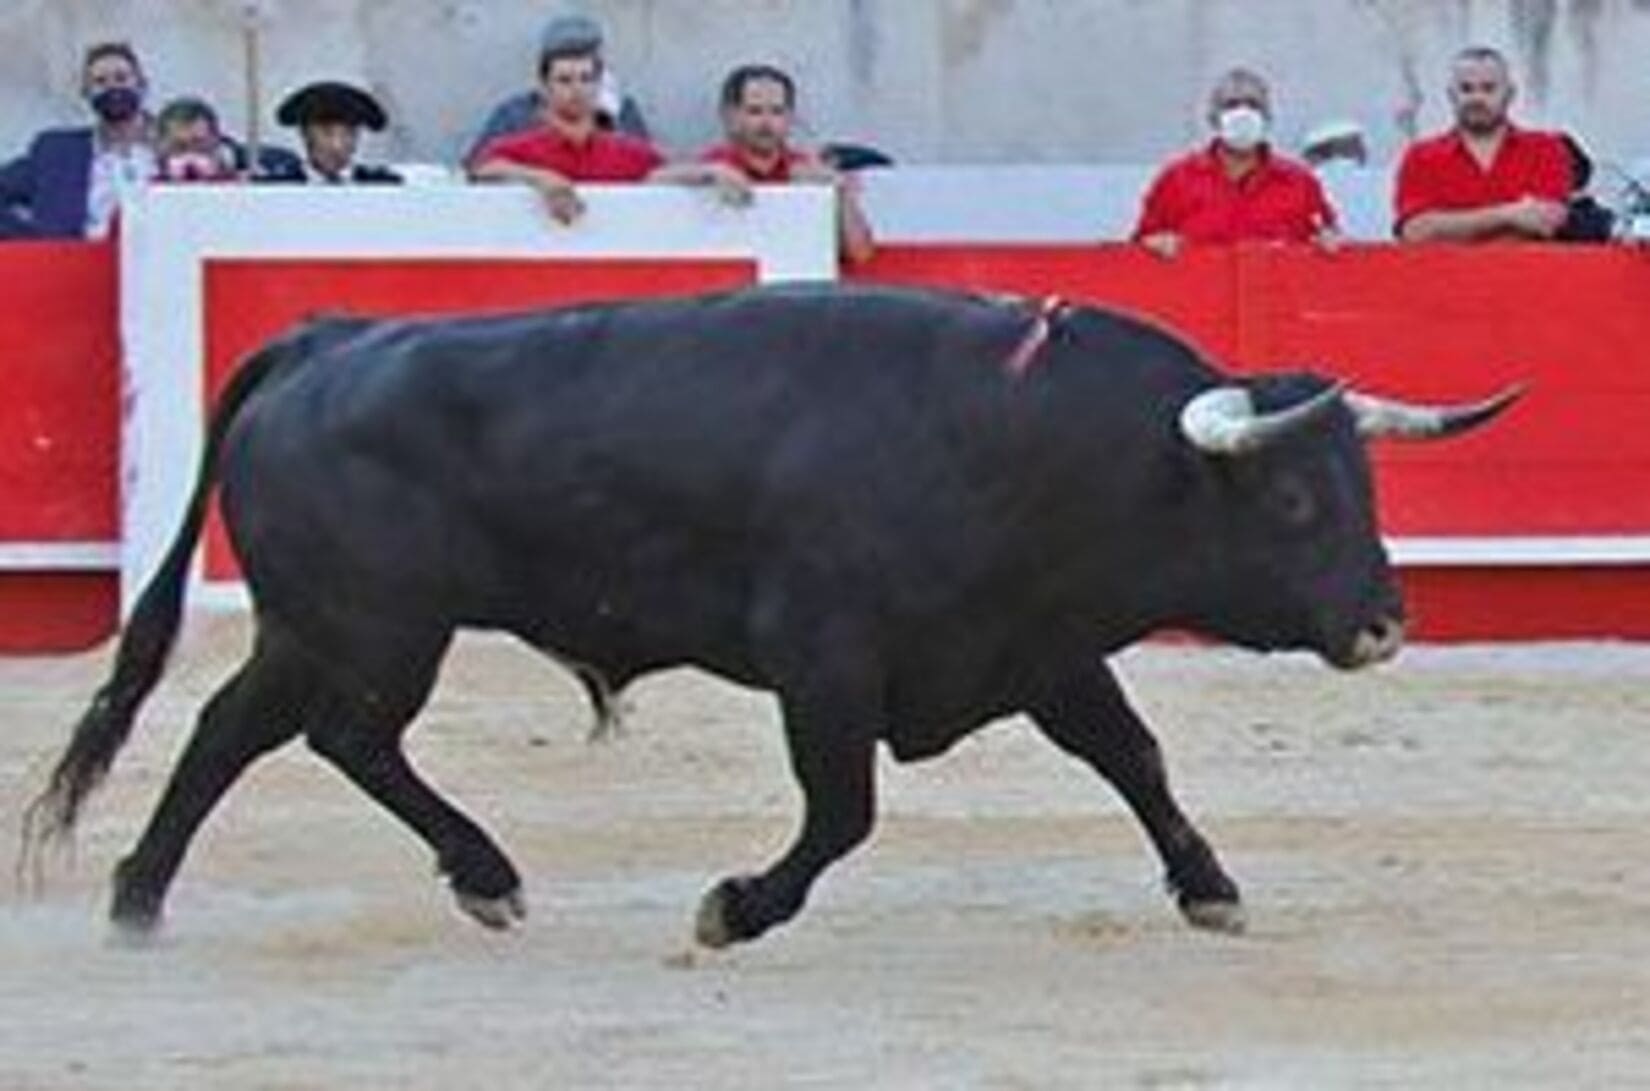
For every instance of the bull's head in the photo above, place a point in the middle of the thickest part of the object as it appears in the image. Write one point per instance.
(1306, 565)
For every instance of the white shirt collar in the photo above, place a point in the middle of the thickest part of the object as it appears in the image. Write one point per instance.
(315, 177)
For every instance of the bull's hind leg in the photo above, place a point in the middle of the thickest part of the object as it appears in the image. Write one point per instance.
(254, 712)
(831, 719)
(360, 731)
(1088, 715)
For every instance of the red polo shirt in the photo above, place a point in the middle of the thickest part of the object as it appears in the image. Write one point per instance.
(1439, 174)
(778, 172)
(1278, 201)
(604, 157)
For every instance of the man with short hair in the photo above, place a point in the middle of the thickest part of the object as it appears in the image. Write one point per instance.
(564, 34)
(1236, 188)
(567, 145)
(71, 181)
(758, 104)
(189, 145)
(1486, 178)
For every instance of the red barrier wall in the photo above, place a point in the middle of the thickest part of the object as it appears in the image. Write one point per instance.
(1525, 603)
(1438, 323)
(1441, 323)
(60, 411)
(59, 448)
(248, 302)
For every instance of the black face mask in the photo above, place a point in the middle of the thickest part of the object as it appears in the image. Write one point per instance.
(117, 104)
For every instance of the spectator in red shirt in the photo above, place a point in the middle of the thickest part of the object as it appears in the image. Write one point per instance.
(1486, 178)
(569, 146)
(1236, 189)
(758, 105)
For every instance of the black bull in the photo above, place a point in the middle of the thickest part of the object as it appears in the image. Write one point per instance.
(905, 513)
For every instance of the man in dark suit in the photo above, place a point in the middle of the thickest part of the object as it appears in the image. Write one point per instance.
(70, 182)
(329, 116)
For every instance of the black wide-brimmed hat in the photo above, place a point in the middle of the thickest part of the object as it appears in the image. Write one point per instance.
(331, 101)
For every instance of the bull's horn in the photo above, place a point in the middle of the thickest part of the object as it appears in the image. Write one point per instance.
(1382, 418)
(1223, 421)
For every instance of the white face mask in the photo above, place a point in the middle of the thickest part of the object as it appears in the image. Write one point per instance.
(1241, 128)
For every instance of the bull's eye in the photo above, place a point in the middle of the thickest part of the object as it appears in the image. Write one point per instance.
(1292, 501)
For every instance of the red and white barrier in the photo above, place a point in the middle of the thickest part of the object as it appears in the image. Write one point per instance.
(213, 271)
(1538, 527)
(59, 445)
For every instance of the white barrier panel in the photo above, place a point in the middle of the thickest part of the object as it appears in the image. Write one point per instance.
(1029, 204)
(1056, 204)
(168, 234)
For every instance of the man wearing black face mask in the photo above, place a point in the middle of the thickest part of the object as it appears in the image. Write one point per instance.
(70, 182)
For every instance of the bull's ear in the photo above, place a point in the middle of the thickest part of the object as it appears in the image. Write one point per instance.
(1224, 421)
(1384, 418)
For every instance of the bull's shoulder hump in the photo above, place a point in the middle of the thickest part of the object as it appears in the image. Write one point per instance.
(321, 333)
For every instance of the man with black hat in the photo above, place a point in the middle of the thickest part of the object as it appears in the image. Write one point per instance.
(329, 116)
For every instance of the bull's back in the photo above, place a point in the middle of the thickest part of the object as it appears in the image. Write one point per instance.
(652, 464)
(627, 460)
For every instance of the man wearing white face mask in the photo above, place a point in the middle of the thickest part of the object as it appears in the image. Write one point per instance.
(1236, 188)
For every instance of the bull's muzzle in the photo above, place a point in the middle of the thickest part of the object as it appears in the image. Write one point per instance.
(1375, 643)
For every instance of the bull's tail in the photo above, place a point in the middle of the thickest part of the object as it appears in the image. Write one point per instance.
(145, 643)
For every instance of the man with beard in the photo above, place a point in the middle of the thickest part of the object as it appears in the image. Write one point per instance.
(1236, 188)
(758, 105)
(1486, 179)
(570, 146)
(70, 182)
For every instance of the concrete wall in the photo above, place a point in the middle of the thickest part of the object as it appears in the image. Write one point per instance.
(995, 81)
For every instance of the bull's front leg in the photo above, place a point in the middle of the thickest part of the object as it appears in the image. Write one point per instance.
(1087, 714)
(831, 717)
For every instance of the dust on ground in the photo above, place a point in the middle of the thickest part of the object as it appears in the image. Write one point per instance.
(1445, 864)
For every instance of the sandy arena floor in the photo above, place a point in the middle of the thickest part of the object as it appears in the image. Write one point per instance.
(1445, 863)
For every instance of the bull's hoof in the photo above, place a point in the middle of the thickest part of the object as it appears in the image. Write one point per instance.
(134, 922)
(135, 911)
(495, 913)
(134, 930)
(1226, 917)
(721, 920)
